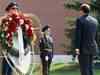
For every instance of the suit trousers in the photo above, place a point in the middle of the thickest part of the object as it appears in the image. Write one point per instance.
(86, 64)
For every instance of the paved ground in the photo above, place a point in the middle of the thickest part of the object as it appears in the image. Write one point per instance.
(56, 59)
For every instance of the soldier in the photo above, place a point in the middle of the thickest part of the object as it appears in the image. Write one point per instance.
(46, 49)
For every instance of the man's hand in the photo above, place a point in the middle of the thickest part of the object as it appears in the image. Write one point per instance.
(77, 51)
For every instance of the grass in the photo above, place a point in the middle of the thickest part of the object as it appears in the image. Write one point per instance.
(61, 69)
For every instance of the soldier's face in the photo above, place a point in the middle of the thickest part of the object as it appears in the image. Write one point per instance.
(48, 32)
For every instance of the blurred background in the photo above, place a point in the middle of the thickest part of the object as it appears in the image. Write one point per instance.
(48, 12)
(61, 15)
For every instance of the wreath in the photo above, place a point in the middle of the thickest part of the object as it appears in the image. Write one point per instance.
(8, 29)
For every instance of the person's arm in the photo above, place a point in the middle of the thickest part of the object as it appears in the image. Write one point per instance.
(52, 46)
(78, 36)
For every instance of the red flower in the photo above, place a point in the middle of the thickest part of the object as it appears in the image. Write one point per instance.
(12, 23)
(30, 32)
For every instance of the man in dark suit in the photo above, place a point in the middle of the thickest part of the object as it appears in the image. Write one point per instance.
(85, 40)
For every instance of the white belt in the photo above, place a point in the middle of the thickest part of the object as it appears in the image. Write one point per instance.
(50, 50)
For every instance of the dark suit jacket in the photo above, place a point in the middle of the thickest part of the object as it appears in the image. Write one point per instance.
(86, 27)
